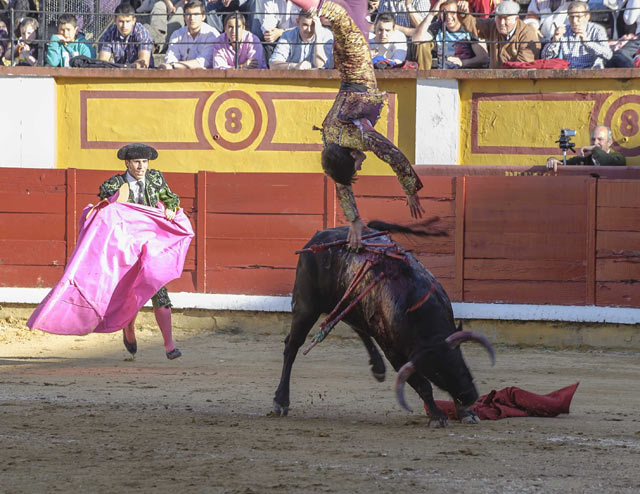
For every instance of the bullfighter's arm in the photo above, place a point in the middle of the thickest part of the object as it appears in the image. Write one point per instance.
(347, 202)
(384, 149)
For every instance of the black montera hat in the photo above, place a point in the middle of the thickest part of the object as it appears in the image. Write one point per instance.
(137, 151)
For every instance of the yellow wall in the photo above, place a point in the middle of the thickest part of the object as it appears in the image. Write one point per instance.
(515, 122)
(225, 125)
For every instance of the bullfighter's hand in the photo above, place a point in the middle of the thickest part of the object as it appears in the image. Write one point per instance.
(414, 206)
(170, 214)
(355, 234)
(552, 164)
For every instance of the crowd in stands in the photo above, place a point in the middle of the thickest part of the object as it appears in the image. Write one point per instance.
(261, 34)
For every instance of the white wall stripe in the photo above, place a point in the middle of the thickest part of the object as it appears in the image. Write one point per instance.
(462, 310)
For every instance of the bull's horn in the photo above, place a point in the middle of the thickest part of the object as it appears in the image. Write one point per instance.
(461, 336)
(403, 374)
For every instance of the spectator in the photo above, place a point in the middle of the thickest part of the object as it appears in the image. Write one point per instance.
(67, 43)
(372, 8)
(4, 39)
(25, 50)
(543, 14)
(250, 54)
(217, 9)
(457, 48)
(598, 154)
(584, 45)
(277, 17)
(387, 44)
(511, 39)
(484, 7)
(191, 47)
(408, 14)
(163, 20)
(624, 50)
(127, 41)
(307, 46)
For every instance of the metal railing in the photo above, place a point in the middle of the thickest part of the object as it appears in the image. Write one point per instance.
(93, 22)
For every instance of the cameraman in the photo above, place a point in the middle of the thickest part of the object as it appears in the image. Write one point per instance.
(598, 154)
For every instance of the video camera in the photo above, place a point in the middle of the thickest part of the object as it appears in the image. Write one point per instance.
(564, 143)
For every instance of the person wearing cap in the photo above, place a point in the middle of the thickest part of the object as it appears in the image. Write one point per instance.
(148, 187)
(509, 38)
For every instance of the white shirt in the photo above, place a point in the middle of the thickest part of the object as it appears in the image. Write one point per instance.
(632, 13)
(394, 49)
(547, 18)
(277, 13)
(183, 47)
(133, 185)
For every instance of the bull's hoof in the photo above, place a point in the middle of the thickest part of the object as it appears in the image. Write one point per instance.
(468, 416)
(279, 410)
(438, 422)
(378, 369)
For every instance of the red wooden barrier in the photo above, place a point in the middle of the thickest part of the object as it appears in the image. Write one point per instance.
(570, 239)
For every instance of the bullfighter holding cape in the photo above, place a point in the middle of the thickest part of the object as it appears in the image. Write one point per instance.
(130, 245)
(347, 130)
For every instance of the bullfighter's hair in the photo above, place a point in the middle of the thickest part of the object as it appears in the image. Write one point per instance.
(410, 230)
(338, 164)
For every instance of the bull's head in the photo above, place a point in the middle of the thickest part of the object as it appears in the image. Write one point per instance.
(447, 370)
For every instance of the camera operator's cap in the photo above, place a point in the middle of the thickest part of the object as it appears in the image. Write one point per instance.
(137, 151)
(508, 7)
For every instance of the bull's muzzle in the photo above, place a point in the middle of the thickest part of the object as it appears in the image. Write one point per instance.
(453, 341)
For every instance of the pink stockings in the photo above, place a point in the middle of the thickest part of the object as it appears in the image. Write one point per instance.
(163, 317)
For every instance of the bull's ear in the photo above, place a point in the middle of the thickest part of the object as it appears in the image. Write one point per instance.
(459, 328)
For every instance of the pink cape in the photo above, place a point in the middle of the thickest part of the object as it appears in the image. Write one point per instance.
(125, 253)
(516, 402)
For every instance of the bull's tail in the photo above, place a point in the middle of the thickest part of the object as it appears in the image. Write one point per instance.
(421, 229)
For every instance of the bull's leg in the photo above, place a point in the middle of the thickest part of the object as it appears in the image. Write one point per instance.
(301, 324)
(375, 359)
(423, 387)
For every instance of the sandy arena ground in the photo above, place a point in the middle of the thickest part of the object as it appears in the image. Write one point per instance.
(77, 416)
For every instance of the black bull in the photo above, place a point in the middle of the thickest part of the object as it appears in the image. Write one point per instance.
(408, 314)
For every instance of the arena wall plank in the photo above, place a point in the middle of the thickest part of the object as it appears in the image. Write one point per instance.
(496, 245)
(32, 252)
(530, 292)
(267, 193)
(623, 269)
(619, 294)
(36, 226)
(275, 253)
(619, 193)
(620, 219)
(525, 269)
(263, 226)
(616, 243)
(526, 217)
(251, 280)
(540, 191)
(27, 201)
(30, 276)
(186, 282)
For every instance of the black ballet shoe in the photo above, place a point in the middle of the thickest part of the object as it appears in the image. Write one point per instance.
(132, 348)
(174, 354)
